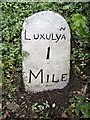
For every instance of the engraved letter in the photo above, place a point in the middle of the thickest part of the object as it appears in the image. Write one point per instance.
(26, 37)
(42, 36)
(48, 36)
(63, 37)
(41, 71)
(36, 37)
(64, 77)
(53, 78)
(58, 37)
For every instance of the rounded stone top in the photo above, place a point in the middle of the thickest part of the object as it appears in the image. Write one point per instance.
(46, 37)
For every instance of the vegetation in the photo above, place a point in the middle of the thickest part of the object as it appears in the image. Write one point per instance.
(79, 106)
(13, 16)
(39, 110)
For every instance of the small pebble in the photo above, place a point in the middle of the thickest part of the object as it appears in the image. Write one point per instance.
(22, 97)
(53, 105)
(0, 105)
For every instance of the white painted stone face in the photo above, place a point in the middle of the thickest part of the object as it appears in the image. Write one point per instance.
(46, 38)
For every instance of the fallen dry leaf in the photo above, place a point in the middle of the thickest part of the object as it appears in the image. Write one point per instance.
(63, 115)
(5, 116)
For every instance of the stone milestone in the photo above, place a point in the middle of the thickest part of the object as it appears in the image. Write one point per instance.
(46, 39)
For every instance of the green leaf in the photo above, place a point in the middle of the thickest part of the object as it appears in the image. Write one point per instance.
(72, 100)
(78, 108)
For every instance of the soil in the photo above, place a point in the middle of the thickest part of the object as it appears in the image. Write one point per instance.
(24, 100)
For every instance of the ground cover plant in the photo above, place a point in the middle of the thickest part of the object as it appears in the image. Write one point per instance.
(16, 102)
